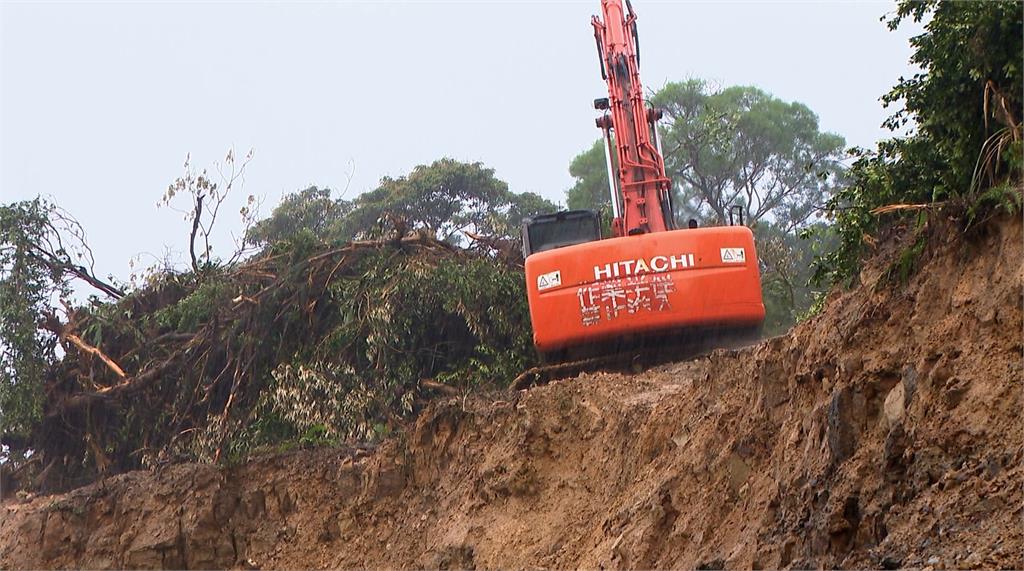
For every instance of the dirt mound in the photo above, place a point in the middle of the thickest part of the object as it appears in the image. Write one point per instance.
(883, 433)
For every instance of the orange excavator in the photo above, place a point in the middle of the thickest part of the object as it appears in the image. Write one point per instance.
(648, 281)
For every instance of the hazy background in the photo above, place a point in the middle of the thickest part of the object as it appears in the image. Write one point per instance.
(100, 103)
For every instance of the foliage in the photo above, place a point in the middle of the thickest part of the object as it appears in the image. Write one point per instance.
(590, 191)
(742, 146)
(193, 310)
(403, 320)
(42, 249)
(785, 258)
(306, 342)
(906, 263)
(446, 198)
(315, 339)
(965, 149)
(508, 225)
(310, 210)
(24, 291)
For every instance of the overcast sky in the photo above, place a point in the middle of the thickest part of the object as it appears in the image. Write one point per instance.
(100, 103)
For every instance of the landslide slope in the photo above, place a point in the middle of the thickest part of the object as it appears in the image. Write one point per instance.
(884, 432)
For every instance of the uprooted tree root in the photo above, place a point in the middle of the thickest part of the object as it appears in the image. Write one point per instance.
(182, 368)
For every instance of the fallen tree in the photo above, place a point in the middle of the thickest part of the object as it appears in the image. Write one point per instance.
(305, 342)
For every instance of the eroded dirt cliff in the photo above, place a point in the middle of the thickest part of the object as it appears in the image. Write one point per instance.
(885, 432)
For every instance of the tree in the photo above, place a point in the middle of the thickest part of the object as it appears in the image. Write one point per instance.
(741, 146)
(206, 196)
(969, 89)
(785, 259)
(509, 224)
(42, 250)
(309, 210)
(590, 191)
(965, 149)
(445, 198)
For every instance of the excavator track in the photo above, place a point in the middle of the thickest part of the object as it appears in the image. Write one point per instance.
(634, 356)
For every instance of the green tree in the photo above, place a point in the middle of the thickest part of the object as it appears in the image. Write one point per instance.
(25, 286)
(785, 258)
(965, 110)
(520, 206)
(590, 191)
(446, 198)
(42, 250)
(311, 210)
(740, 146)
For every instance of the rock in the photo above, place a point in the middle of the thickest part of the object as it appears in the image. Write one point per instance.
(389, 481)
(787, 552)
(992, 467)
(739, 471)
(454, 557)
(954, 391)
(940, 373)
(850, 365)
(330, 531)
(972, 561)
(988, 316)
(987, 505)
(890, 562)
(900, 396)
(844, 410)
(909, 379)
(893, 450)
(895, 405)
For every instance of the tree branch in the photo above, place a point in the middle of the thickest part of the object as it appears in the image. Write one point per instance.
(51, 323)
(192, 236)
(51, 261)
(77, 342)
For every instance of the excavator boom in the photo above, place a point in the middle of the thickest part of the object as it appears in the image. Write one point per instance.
(643, 187)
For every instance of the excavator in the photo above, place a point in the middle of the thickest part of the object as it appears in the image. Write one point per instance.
(649, 282)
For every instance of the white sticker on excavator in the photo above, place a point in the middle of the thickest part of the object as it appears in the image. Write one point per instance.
(734, 255)
(549, 280)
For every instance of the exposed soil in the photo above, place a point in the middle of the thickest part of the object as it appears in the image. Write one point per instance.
(884, 433)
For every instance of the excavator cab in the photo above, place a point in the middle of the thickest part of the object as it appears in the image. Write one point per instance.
(560, 229)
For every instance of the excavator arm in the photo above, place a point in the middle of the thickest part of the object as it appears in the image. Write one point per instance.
(640, 189)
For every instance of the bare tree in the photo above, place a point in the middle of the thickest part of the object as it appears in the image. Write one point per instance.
(206, 197)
